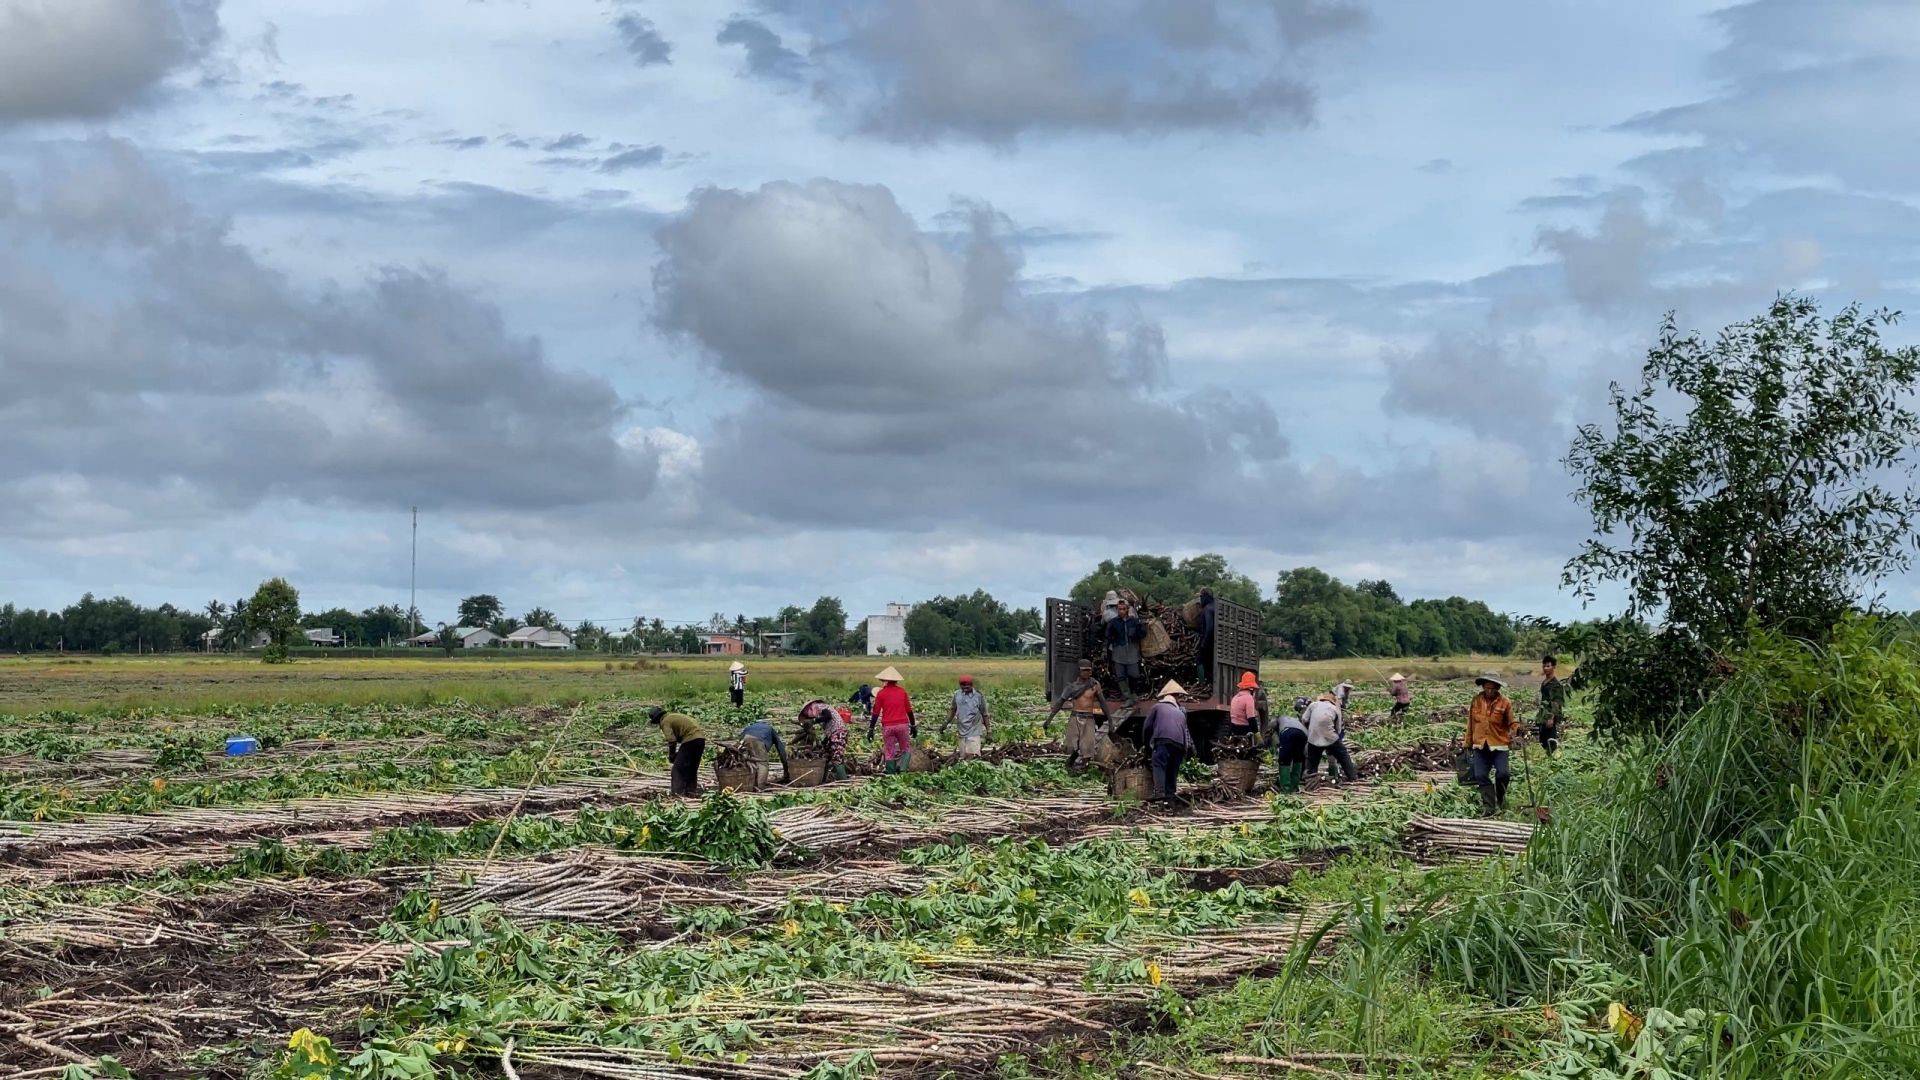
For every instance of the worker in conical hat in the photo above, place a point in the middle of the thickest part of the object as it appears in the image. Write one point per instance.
(1166, 734)
(737, 683)
(893, 712)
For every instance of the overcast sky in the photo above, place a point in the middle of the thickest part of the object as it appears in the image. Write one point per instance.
(668, 307)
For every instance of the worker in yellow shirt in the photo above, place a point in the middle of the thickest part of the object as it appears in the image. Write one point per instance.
(1490, 730)
(686, 743)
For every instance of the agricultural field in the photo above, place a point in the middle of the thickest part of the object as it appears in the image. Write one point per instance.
(427, 885)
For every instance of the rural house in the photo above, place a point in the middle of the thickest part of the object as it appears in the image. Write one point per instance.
(464, 637)
(723, 644)
(887, 634)
(538, 637)
(325, 635)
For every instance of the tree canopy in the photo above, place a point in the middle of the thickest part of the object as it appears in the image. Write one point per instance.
(1158, 579)
(972, 624)
(1760, 480)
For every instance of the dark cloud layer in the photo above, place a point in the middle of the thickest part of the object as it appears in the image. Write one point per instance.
(152, 368)
(62, 59)
(920, 71)
(925, 380)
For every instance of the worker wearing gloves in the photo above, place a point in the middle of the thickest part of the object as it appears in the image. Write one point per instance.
(1290, 740)
(1490, 730)
(968, 712)
(1326, 737)
(1166, 732)
(755, 739)
(686, 743)
(1089, 707)
(833, 730)
(1124, 635)
(893, 711)
(737, 684)
(1247, 711)
(1553, 704)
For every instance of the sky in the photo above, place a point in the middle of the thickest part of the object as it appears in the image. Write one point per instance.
(673, 308)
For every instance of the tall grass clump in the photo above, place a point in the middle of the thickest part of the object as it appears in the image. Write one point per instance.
(1753, 880)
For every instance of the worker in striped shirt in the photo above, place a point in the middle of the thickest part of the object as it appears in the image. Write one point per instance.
(737, 684)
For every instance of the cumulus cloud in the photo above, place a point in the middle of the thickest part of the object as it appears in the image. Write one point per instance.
(1806, 88)
(643, 41)
(154, 368)
(878, 361)
(920, 71)
(68, 59)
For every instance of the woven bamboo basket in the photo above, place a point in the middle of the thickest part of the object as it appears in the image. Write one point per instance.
(737, 777)
(1135, 783)
(1156, 642)
(1239, 776)
(807, 772)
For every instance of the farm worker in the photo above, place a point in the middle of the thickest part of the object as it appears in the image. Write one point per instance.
(1490, 728)
(1342, 694)
(1326, 737)
(894, 712)
(1553, 704)
(737, 683)
(1124, 635)
(755, 738)
(685, 745)
(1089, 707)
(863, 697)
(835, 730)
(968, 713)
(1402, 696)
(1203, 651)
(1243, 712)
(1290, 737)
(1166, 732)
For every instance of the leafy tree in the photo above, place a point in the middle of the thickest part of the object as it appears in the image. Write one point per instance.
(480, 609)
(1158, 579)
(275, 610)
(976, 624)
(504, 626)
(1760, 479)
(386, 623)
(820, 629)
(588, 637)
(339, 620)
(542, 618)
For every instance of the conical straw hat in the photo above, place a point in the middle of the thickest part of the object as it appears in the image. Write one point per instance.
(888, 674)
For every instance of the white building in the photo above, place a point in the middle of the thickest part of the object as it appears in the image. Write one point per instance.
(887, 634)
(324, 635)
(537, 637)
(465, 637)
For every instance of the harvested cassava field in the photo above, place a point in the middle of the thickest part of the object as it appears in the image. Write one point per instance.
(450, 888)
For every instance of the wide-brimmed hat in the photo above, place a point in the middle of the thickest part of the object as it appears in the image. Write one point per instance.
(1249, 681)
(888, 674)
(1397, 677)
(1496, 680)
(1325, 697)
(1171, 691)
(736, 666)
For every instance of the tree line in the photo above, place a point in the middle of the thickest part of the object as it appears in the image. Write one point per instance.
(1315, 616)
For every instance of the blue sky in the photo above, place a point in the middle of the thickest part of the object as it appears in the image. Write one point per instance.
(674, 308)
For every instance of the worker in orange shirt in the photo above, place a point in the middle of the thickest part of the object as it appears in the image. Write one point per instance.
(1490, 730)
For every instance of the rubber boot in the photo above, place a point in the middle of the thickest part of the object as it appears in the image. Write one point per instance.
(1285, 781)
(1488, 804)
(840, 771)
(1500, 793)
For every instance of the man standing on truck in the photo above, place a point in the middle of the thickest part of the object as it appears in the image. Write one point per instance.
(1124, 635)
(1203, 651)
(1167, 733)
(1089, 706)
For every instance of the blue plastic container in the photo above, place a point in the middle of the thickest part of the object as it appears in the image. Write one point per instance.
(238, 745)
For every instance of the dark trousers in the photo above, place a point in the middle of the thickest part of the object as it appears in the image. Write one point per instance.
(686, 767)
(1168, 756)
(1549, 736)
(738, 697)
(1337, 752)
(1293, 748)
(1399, 710)
(1491, 771)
